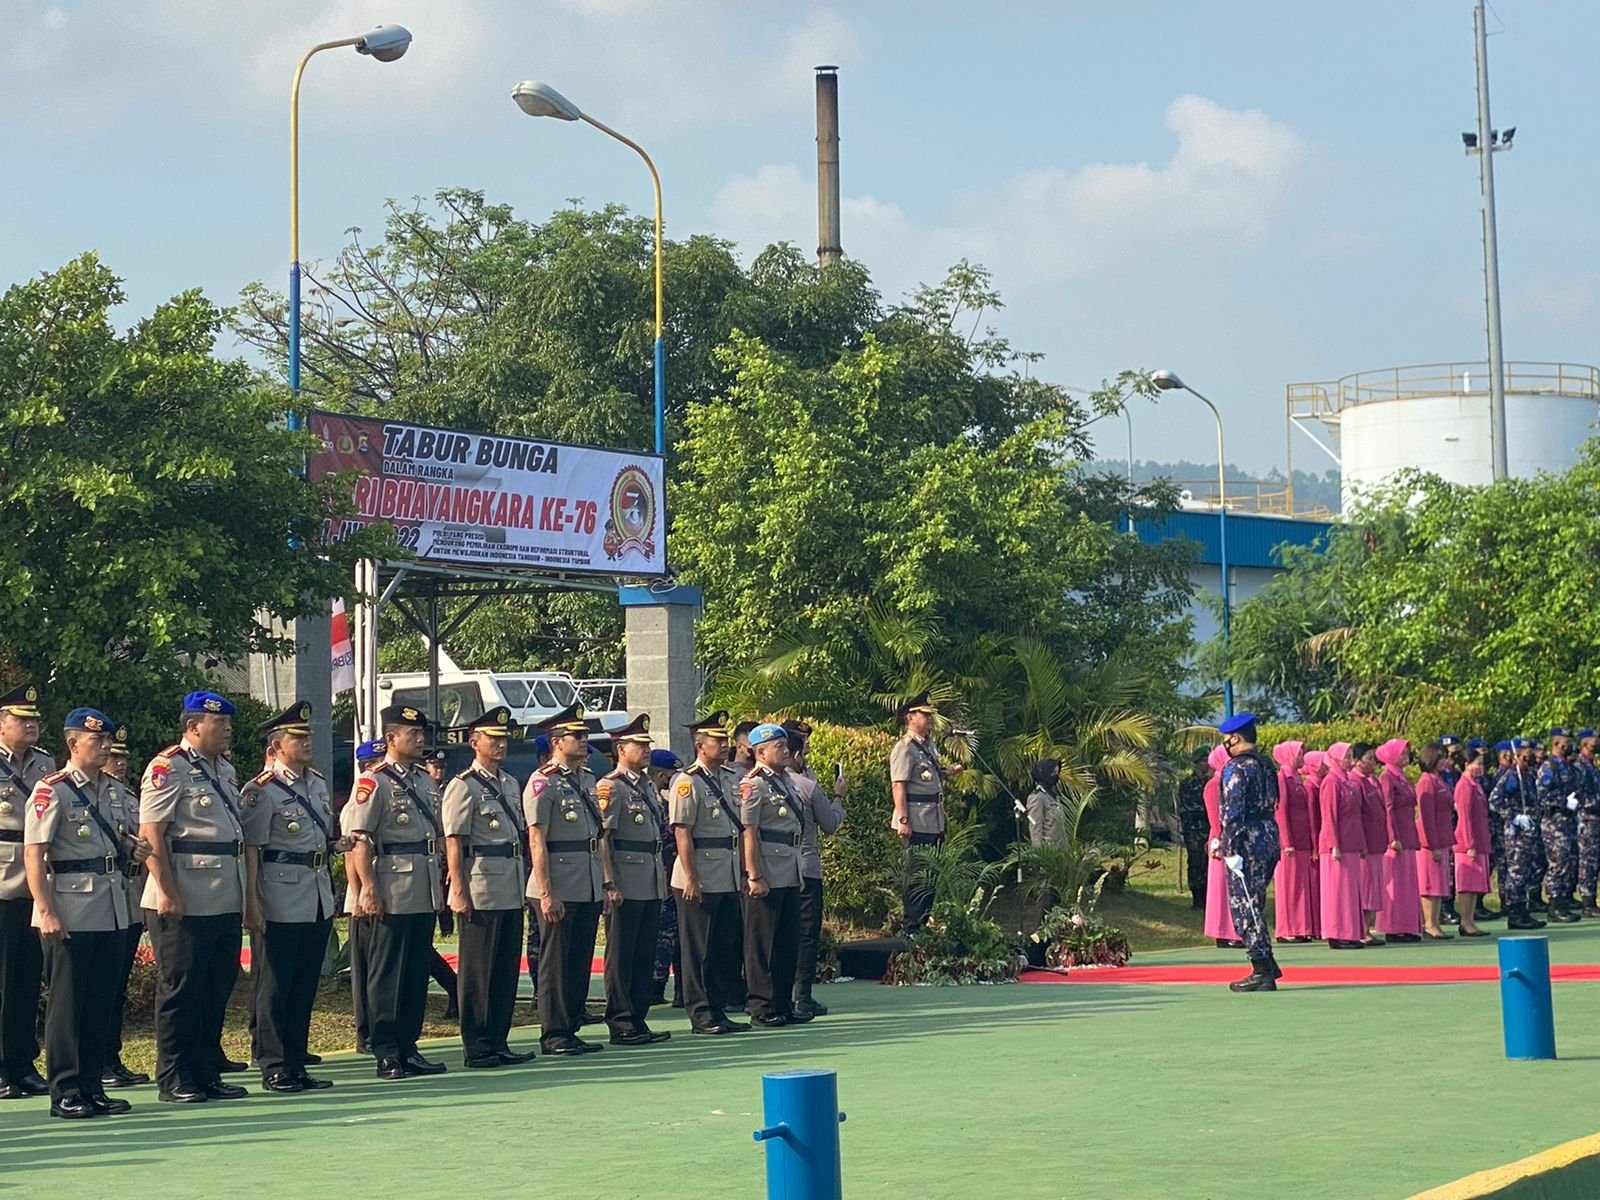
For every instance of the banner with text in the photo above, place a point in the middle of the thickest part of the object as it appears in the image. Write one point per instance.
(478, 500)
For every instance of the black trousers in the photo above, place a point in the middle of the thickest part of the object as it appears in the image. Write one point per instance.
(197, 964)
(805, 971)
(709, 971)
(82, 970)
(631, 930)
(915, 896)
(130, 950)
(488, 967)
(566, 952)
(286, 972)
(729, 986)
(398, 948)
(1196, 863)
(21, 968)
(359, 931)
(771, 945)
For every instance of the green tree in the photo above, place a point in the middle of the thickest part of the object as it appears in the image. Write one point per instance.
(148, 501)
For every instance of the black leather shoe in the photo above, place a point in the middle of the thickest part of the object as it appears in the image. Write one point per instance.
(1476, 933)
(797, 1017)
(808, 1005)
(1345, 944)
(716, 1030)
(225, 1091)
(566, 1048)
(1260, 979)
(184, 1093)
(770, 1020)
(9, 1090)
(659, 1035)
(29, 1084)
(482, 1062)
(1561, 916)
(308, 1084)
(1403, 937)
(639, 1037)
(73, 1108)
(1590, 911)
(313, 1060)
(415, 1064)
(106, 1106)
(282, 1082)
(515, 1058)
(391, 1068)
(118, 1076)
(736, 1026)
(232, 1066)
(588, 1047)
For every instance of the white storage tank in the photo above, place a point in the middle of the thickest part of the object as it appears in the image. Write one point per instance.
(1435, 418)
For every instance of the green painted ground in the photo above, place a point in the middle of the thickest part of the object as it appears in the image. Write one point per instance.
(1023, 1091)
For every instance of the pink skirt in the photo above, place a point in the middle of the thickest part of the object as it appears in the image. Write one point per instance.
(1402, 904)
(1372, 883)
(1219, 921)
(1472, 875)
(1297, 906)
(1433, 878)
(1341, 899)
(1316, 895)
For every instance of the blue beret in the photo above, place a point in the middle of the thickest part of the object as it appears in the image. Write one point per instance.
(1587, 733)
(1449, 739)
(373, 749)
(664, 760)
(541, 743)
(203, 703)
(1477, 744)
(89, 720)
(768, 732)
(1504, 746)
(1522, 743)
(1560, 731)
(1237, 722)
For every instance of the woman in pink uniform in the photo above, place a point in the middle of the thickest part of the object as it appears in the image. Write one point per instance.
(1292, 879)
(1219, 921)
(1472, 844)
(1401, 916)
(1375, 835)
(1312, 773)
(1341, 845)
(1434, 806)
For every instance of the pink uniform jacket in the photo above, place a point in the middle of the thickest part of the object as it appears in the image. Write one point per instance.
(1434, 803)
(1374, 813)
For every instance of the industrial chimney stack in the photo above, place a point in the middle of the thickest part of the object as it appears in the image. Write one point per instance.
(828, 248)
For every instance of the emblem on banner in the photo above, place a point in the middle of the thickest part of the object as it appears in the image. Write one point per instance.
(633, 514)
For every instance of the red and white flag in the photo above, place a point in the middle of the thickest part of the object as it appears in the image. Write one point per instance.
(344, 653)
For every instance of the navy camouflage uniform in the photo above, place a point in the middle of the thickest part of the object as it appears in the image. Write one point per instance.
(1588, 772)
(1514, 797)
(1557, 789)
(1195, 827)
(1250, 831)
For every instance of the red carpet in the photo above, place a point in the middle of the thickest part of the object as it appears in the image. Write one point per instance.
(1340, 976)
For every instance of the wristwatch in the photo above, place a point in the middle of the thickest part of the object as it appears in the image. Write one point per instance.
(609, 885)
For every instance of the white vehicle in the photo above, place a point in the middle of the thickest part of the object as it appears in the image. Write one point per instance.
(604, 695)
(532, 696)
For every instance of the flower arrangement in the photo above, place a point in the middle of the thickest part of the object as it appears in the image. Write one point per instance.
(959, 945)
(1074, 938)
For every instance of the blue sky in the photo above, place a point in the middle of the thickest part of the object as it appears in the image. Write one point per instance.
(1250, 193)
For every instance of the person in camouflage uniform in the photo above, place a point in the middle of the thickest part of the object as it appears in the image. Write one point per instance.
(1515, 800)
(1557, 788)
(1194, 826)
(1588, 820)
(1249, 846)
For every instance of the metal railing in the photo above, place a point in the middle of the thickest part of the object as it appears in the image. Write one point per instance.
(1324, 400)
(1266, 496)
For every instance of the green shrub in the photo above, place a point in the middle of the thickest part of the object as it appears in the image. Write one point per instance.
(862, 863)
(959, 945)
(1075, 937)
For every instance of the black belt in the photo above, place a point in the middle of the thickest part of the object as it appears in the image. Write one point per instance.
(392, 849)
(189, 846)
(501, 850)
(636, 847)
(10, 835)
(775, 838)
(570, 847)
(106, 865)
(924, 799)
(315, 859)
(709, 843)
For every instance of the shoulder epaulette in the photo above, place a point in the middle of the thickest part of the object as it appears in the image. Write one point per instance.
(264, 778)
(56, 776)
(172, 749)
(463, 774)
(549, 768)
(317, 773)
(615, 773)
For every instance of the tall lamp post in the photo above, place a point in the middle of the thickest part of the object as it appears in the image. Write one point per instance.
(541, 100)
(1168, 382)
(313, 665)
(385, 43)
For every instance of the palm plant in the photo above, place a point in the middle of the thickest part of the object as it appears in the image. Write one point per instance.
(954, 872)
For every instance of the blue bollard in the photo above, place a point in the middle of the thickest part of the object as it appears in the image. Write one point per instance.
(802, 1134)
(1525, 1009)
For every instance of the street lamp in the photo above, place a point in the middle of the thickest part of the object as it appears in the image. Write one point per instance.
(385, 43)
(541, 100)
(1166, 381)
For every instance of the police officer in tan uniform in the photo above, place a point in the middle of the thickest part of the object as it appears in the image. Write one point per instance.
(290, 836)
(22, 764)
(398, 858)
(772, 816)
(115, 1073)
(572, 882)
(189, 812)
(632, 814)
(483, 847)
(76, 864)
(705, 878)
(916, 778)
